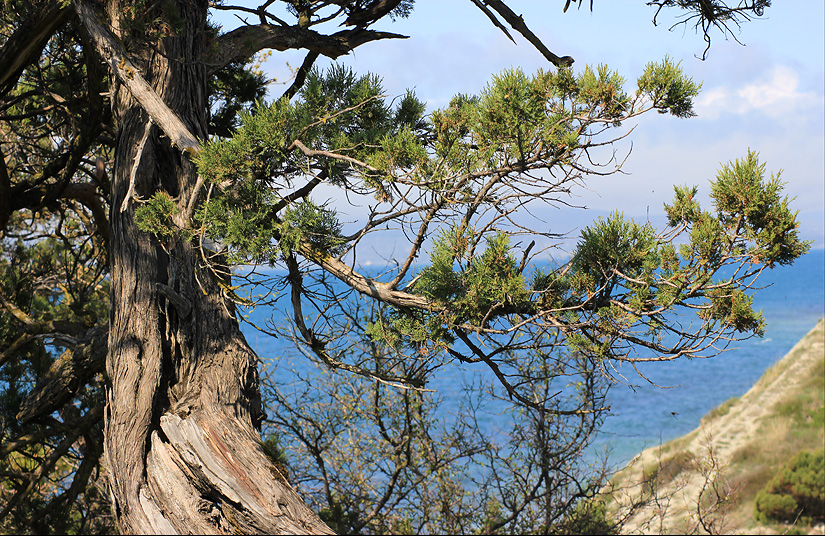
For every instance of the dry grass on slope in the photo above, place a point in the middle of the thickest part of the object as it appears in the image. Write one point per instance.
(706, 481)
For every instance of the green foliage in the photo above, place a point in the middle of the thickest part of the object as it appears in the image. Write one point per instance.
(335, 113)
(480, 162)
(233, 89)
(755, 207)
(508, 111)
(316, 226)
(685, 208)
(551, 289)
(339, 516)
(588, 517)
(57, 283)
(410, 112)
(476, 289)
(155, 216)
(603, 88)
(798, 490)
(668, 89)
(274, 450)
(255, 151)
(613, 246)
(451, 128)
(149, 21)
(340, 128)
(624, 272)
(30, 359)
(243, 220)
(339, 112)
(246, 221)
(347, 109)
(734, 308)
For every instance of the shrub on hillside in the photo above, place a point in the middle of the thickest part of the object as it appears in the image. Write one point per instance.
(797, 490)
(588, 517)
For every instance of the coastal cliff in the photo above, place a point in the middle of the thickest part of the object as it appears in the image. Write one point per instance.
(707, 480)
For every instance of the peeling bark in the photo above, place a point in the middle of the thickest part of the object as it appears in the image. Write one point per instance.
(128, 73)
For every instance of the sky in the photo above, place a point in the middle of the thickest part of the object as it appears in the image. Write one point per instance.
(767, 96)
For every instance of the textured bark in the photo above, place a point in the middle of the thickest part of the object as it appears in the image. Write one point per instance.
(129, 75)
(181, 438)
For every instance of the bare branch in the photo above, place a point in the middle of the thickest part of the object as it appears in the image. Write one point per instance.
(312, 152)
(301, 75)
(517, 23)
(709, 14)
(242, 43)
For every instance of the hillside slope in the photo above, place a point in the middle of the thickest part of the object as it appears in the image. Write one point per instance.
(737, 448)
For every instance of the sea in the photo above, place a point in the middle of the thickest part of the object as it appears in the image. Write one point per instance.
(645, 415)
(648, 413)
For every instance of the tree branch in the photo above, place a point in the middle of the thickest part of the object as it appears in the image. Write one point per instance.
(517, 23)
(86, 193)
(111, 51)
(371, 13)
(91, 417)
(365, 285)
(71, 371)
(5, 192)
(301, 75)
(25, 45)
(242, 43)
(480, 5)
(312, 152)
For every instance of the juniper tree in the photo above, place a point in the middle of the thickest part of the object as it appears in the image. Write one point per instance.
(140, 164)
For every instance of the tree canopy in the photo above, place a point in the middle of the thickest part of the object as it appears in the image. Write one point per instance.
(142, 164)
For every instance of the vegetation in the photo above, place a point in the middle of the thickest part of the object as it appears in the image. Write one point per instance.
(797, 425)
(797, 492)
(727, 474)
(140, 165)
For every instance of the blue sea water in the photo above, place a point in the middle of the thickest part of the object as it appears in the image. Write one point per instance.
(648, 415)
(645, 415)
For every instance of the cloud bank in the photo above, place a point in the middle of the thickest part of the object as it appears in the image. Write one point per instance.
(776, 95)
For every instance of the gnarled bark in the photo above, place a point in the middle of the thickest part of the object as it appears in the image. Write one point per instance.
(182, 439)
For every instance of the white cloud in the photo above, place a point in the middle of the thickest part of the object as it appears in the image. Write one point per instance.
(777, 95)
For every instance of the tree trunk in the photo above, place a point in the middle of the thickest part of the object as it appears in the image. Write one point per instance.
(182, 435)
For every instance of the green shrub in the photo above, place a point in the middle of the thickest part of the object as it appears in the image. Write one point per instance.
(588, 517)
(797, 490)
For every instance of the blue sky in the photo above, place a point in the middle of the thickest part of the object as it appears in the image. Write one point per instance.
(767, 95)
